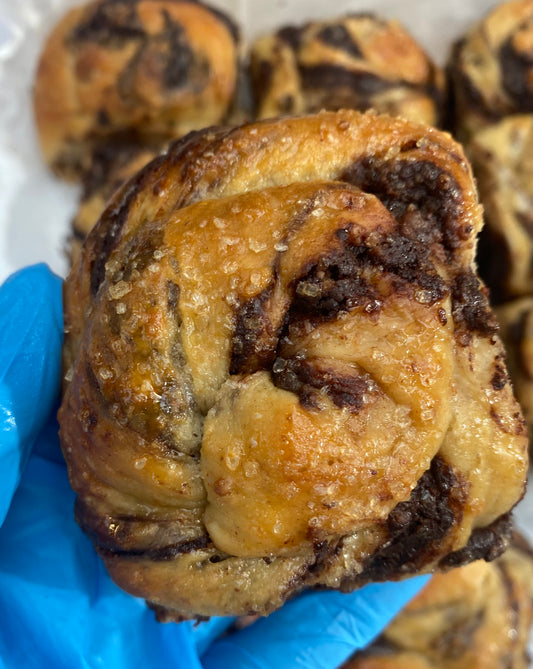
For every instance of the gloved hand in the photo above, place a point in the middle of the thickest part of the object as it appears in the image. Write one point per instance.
(58, 606)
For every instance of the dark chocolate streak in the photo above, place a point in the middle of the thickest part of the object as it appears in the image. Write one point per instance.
(458, 634)
(255, 338)
(516, 337)
(423, 198)
(110, 23)
(261, 77)
(499, 377)
(107, 158)
(173, 298)
(417, 527)
(485, 543)
(335, 281)
(77, 234)
(292, 36)
(159, 553)
(140, 254)
(495, 261)
(337, 35)
(517, 75)
(180, 57)
(130, 537)
(181, 66)
(464, 88)
(171, 48)
(470, 307)
(306, 379)
(333, 284)
(325, 552)
(363, 83)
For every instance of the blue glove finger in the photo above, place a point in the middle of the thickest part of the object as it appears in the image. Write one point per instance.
(30, 354)
(319, 630)
(59, 607)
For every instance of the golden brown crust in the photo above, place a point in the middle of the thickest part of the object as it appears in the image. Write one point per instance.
(475, 617)
(516, 322)
(491, 68)
(355, 62)
(502, 159)
(227, 284)
(158, 67)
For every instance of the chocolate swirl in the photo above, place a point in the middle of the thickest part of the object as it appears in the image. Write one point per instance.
(357, 62)
(274, 355)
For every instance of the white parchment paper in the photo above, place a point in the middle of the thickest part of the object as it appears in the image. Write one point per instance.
(35, 207)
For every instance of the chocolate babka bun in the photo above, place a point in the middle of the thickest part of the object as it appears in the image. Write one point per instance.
(282, 372)
(491, 68)
(475, 617)
(156, 67)
(502, 159)
(358, 62)
(516, 323)
(112, 163)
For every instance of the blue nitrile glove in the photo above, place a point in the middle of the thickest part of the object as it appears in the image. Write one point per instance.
(58, 607)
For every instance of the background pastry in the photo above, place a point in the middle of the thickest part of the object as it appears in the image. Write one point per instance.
(112, 163)
(358, 62)
(491, 74)
(159, 68)
(225, 284)
(516, 323)
(502, 159)
(491, 68)
(475, 617)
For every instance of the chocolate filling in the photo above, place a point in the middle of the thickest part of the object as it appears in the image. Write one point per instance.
(134, 538)
(470, 306)
(336, 35)
(110, 23)
(307, 379)
(416, 527)
(254, 339)
(493, 266)
(517, 75)
(485, 543)
(408, 187)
